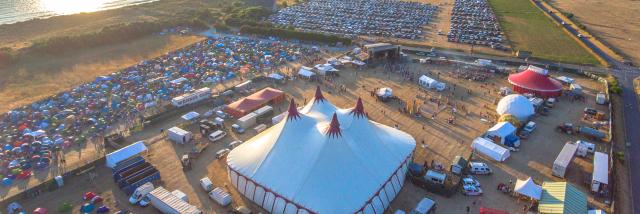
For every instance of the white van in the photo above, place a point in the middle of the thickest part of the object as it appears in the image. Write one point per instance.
(206, 184)
(221, 153)
(480, 168)
(425, 206)
(217, 135)
(435, 177)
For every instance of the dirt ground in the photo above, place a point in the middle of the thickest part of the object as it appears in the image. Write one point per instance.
(613, 21)
(443, 141)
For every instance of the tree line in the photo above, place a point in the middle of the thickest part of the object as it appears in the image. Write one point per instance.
(293, 34)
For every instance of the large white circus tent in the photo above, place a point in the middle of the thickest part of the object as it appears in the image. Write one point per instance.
(322, 159)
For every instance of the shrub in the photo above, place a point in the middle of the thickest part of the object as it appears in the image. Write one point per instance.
(292, 34)
(614, 86)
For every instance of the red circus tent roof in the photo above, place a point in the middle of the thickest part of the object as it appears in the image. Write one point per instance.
(534, 78)
(254, 101)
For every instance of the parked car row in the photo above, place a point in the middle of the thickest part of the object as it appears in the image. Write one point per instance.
(398, 19)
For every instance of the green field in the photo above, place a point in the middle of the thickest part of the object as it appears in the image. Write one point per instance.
(529, 29)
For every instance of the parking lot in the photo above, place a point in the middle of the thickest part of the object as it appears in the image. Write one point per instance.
(442, 140)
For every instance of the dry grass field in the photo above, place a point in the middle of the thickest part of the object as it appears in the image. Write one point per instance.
(39, 77)
(614, 22)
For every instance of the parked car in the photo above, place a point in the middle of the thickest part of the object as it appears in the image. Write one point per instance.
(470, 180)
(221, 153)
(420, 53)
(237, 128)
(550, 102)
(529, 127)
(234, 144)
(479, 168)
(590, 111)
(425, 206)
(217, 135)
(471, 190)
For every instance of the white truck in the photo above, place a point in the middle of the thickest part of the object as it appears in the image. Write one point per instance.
(248, 120)
(564, 159)
(168, 203)
(140, 192)
(179, 135)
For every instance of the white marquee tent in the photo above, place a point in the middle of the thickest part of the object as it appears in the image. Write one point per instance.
(344, 163)
(528, 188)
(490, 149)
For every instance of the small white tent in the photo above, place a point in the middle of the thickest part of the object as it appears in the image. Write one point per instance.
(324, 69)
(125, 153)
(430, 83)
(528, 188)
(492, 150)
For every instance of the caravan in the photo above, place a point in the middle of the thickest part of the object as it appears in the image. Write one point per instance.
(429, 83)
(490, 149)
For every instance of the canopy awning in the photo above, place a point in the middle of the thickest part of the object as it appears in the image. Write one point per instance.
(528, 188)
(125, 153)
(561, 197)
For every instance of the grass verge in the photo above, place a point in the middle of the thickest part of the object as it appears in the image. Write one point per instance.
(529, 29)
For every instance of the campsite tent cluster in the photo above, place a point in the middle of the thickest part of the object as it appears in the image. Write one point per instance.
(30, 134)
(323, 141)
(473, 22)
(399, 19)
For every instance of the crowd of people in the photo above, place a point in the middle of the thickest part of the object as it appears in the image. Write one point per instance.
(474, 22)
(389, 18)
(31, 135)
